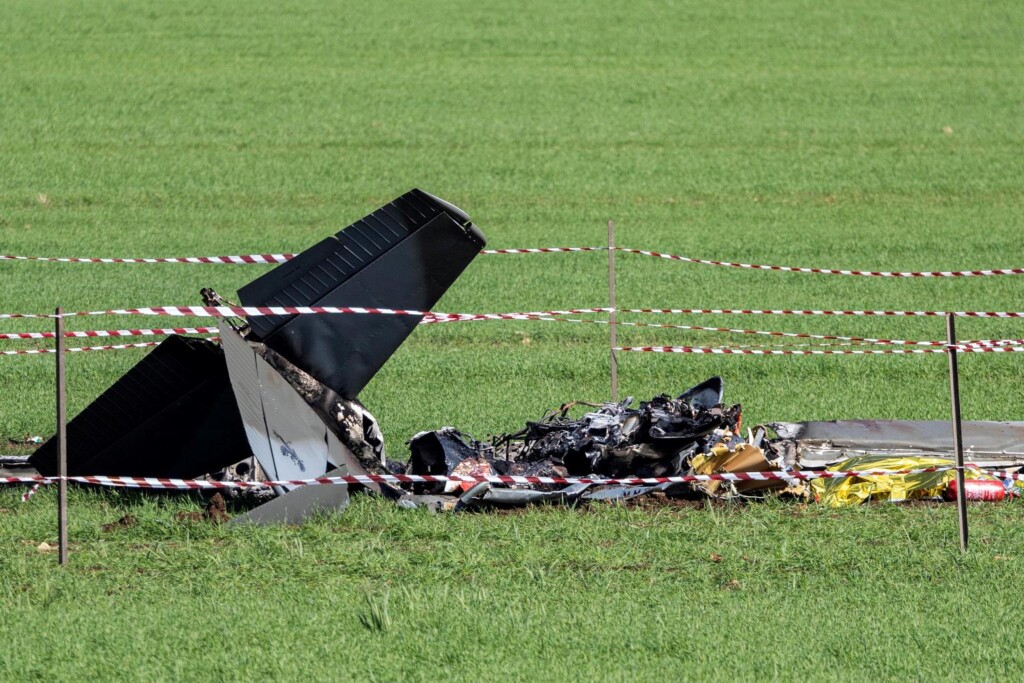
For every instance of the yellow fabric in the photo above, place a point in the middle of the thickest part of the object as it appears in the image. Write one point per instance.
(841, 492)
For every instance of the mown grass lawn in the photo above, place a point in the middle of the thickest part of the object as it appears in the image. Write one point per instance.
(850, 135)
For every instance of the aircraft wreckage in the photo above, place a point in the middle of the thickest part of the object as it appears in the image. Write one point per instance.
(277, 399)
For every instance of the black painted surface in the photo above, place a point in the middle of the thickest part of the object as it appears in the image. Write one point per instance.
(404, 255)
(172, 415)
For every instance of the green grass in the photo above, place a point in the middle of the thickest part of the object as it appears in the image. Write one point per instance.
(798, 133)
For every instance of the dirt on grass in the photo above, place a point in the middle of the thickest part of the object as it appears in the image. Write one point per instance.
(126, 522)
(216, 512)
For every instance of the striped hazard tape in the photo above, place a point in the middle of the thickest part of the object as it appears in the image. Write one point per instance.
(142, 332)
(548, 317)
(78, 349)
(229, 311)
(225, 311)
(805, 312)
(250, 259)
(258, 259)
(31, 492)
(545, 316)
(199, 484)
(828, 271)
(961, 348)
(1007, 346)
(247, 259)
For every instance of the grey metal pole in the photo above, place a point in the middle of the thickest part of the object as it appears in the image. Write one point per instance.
(612, 327)
(958, 444)
(62, 447)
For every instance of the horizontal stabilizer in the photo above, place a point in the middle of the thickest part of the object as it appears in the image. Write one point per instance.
(172, 415)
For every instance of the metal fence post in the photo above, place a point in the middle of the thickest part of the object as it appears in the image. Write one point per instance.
(62, 446)
(612, 327)
(958, 445)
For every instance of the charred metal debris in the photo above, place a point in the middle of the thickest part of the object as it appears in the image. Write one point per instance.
(663, 437)
(277, 400)
(695, 433)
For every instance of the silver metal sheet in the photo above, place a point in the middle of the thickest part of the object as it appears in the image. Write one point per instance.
(483, 494)
(984, 442)
(288, 438)
(298, 505)
(611, 493)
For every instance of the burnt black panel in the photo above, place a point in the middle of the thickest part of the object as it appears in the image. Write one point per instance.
(404, 255)
(172, 415)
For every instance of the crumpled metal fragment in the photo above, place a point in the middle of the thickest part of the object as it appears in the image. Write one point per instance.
(657, 438)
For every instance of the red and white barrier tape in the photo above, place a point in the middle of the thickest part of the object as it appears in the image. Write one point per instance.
(77, 349)
(815, 352)
(787, 311)
(259, 259)
(543, 250)
(828, 271)
(702, 328)
(31, 492)
(962, 348)
(282, 258)
(247, 259)
(545, 316)
(224, 311)
(256, 311)
(193, 484)
(111, 333)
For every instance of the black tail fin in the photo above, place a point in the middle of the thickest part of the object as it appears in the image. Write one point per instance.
(404, 255)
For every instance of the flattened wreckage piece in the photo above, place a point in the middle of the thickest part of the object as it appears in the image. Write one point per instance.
(299, 504)
(172, 415)
(821, 443)
(485, 495)
(612, 493)
(404, 255)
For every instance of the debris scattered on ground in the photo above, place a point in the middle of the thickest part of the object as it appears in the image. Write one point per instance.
(277, 399)
(126, 522)
(694, 432)
(26, 441)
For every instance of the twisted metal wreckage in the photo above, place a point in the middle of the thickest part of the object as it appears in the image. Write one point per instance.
(277, 399)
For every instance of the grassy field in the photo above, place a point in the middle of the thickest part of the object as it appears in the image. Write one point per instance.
(868, 135)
